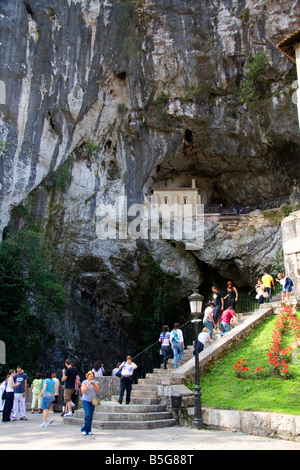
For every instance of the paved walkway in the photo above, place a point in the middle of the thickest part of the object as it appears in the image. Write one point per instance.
(27, 435)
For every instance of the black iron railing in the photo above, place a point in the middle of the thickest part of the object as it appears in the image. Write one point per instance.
(242, 209)
(150, 358)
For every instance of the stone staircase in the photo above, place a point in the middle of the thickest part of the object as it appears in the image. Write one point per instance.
(150, 405)
(109, 415)
(145, 411)
(278, 305)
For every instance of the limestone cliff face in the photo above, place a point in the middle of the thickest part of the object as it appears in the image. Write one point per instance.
(141, 94)
(92, 70)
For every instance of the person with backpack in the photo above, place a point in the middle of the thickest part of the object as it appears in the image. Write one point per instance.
(287, 286)
(177, 343)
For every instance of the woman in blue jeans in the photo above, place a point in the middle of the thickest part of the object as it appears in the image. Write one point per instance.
(177, 342)
(88, 389)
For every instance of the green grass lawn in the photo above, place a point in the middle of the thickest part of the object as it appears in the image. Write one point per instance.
(222, 389)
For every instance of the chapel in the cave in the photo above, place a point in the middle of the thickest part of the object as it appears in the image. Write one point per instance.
(172, 196)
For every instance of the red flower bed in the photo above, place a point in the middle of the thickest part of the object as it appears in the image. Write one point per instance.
(276, 354)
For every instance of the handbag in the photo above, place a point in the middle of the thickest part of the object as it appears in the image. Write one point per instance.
(4, 395)
(96, 401)
(119, 373)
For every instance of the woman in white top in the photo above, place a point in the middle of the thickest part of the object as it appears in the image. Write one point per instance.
(128, 368)
(203, 337)
(260, 289)
(9, 398)
(208, 320)
(98, 369)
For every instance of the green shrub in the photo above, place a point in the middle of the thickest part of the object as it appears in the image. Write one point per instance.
(246, 15)
(62, 178)
(249, 93)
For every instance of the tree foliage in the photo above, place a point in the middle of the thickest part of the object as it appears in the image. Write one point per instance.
(31, 293)
(156, 303)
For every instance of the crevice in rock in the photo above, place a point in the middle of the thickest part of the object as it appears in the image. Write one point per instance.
(29, 10)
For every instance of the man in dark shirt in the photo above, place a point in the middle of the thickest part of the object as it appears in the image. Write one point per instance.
(69, 378)
(20, 395)
(218, 307)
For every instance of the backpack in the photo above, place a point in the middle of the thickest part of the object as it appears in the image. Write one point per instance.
(175, 338)
(288, 283)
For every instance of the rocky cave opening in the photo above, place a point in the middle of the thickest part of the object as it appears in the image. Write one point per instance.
(213, 277)
(226, 179)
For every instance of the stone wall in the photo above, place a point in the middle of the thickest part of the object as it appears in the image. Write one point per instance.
(291, 248)
(280, 426)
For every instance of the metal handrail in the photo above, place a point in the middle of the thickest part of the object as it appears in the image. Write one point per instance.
(243, 209)
(149, 348)
(154, 344)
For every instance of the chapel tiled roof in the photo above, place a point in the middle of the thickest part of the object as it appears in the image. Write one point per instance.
(287, 45)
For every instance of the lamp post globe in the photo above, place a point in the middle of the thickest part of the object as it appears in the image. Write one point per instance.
(196, 302)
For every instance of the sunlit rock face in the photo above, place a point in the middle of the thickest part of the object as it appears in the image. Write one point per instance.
(140, 95)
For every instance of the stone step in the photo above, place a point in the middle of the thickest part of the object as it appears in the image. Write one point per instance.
(129, 416)
(138, 400)
(111, 407)
(163, 371)
(157, 379)
(149, 382)
(144, 386)
(162, 423)
(126, 425)
(143, 393)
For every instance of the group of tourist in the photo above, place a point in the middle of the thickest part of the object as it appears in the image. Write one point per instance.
(13, 393)
(172, 343)
(45, 392)
(217, 318)
(265, 285)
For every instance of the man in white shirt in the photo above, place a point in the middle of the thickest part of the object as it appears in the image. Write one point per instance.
(126, 379)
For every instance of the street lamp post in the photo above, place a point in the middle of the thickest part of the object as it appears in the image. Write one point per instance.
(196, 301)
